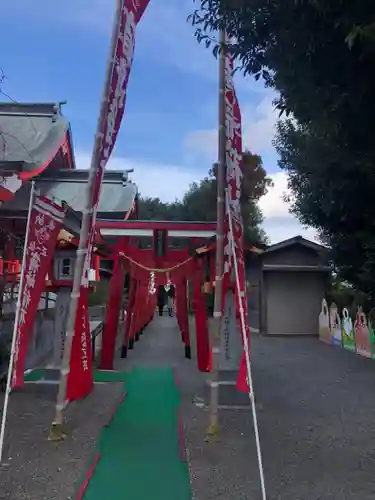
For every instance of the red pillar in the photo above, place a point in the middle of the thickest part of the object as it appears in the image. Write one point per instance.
(128, 319)
(142, 309)
(112, 316)
(201, 326)
(182, 315)
(179, 305)
(137, 304)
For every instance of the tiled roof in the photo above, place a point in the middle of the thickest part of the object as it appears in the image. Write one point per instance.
(31, 134)
(116, 198)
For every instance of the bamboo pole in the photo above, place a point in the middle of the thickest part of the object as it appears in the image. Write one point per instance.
(88, 219)
(247, 353)
(16, 322)
(213, 423)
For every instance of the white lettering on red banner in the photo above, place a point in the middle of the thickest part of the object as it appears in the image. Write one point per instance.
(234, 180)
(122, 59)
(46, 220)
(131, 13)
(80, 377)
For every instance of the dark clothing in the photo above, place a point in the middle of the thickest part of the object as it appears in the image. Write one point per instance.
(162, 299)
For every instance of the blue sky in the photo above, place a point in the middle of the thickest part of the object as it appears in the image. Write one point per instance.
(55, 51)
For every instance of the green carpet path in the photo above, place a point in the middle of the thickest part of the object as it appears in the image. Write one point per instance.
(140, 458)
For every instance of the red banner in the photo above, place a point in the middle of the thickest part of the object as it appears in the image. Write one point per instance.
(45, 222)
(130, 15)
(234, 164)
(119, 71)
(201, 323)
(80, 379)
(122, 59)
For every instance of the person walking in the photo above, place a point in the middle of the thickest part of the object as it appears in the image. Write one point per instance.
(161, 299)
(170, 300)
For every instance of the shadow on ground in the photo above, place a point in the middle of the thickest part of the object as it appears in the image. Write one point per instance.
(316, 411)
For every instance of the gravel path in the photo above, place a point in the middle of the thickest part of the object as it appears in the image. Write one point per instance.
(316, 412)
(38, 469)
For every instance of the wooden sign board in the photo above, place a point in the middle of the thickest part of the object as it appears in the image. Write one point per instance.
(59, 328)
(362, 335)
(324, 330)
(347, 331)
(335, 325)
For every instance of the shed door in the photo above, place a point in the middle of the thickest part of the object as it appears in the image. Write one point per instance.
(293, 301)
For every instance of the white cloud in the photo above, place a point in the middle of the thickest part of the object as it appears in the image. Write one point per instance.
(165, 36)
(169, 182)
(272, 204)
(279, 224)
(258, 131)
(166, 182)
(258, 122)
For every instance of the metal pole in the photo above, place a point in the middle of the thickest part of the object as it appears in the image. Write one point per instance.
(247, 355)
(213, 424)
(15, 327)
(89, 213)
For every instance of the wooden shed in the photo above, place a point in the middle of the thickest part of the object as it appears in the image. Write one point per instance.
(287, 283)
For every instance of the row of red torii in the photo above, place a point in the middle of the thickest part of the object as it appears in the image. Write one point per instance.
(150, 268)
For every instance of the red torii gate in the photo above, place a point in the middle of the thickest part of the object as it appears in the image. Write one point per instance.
(152, 267)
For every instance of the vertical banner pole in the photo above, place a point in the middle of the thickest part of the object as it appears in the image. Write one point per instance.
(88, 219)
(247, 354)
(213, 424)
(15, 327)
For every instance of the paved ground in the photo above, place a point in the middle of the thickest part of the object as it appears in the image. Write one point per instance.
(38, 469)
(316, 414)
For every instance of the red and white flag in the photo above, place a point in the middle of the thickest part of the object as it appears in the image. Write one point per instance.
(45, 222)
(234, 177)
(130, 15)
(80, 375)
(80, 378)
(122, 60)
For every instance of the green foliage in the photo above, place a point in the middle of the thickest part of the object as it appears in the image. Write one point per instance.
(319, 56)
(199, 202)
(344, 295)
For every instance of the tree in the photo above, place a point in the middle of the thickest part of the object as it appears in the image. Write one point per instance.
(319, 55)
(199, 202)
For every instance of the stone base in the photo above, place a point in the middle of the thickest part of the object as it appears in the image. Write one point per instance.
(229, 396)
(187, 352)
(124, 352)
(52, 375)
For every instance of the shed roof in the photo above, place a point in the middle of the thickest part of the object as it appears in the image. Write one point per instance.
(31, 134)
(296, 240)
(116, 198)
